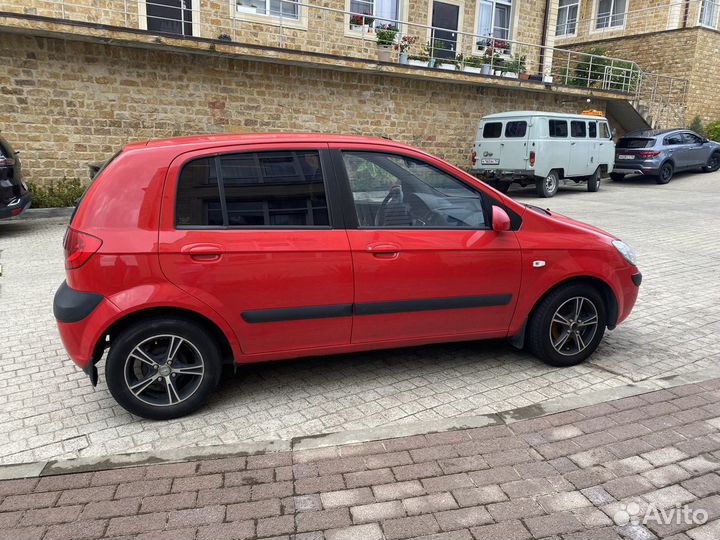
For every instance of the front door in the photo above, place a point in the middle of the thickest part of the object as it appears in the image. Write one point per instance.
(250, 234)
(426, 262)
(169, 16)
(444, 31)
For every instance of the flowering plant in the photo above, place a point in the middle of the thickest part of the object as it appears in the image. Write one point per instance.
(405, 43)
(359, 20)
(386, 34)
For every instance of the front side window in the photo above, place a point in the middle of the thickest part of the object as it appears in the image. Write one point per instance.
(274, 8)
(691, 138)
(515, 129)
(494, 19)
(610, 14)
(492, 130)
(261, 189)
(578, 129)
(558, 128)
(709, 10)
(567, 18)
(393, 191)
(605, 131)
(377, 11)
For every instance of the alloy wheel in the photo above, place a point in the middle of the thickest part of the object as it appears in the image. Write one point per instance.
(573, 326)
(164, 370)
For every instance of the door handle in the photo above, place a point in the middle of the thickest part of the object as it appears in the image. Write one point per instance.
(384, 250)
(203, 252)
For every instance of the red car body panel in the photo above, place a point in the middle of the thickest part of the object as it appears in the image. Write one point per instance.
(145, 262)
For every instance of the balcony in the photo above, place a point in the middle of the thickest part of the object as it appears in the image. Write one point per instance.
(291, 31)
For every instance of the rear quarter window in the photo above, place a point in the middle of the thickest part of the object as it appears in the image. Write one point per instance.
(492, 130)
(635, 142)
(558, 128)
(578, 129)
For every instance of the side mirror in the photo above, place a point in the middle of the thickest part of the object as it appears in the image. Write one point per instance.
(613, 133)
(500, 219)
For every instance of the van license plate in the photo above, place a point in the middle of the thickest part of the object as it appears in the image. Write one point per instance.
(486, 161)
(625, 156)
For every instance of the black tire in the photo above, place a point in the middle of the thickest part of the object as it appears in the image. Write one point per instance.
(713, 163)
(665, 173)
(593, 183)
(545, 333)
(547, 187)
(502, 187)
(616, 177)
(196, 353)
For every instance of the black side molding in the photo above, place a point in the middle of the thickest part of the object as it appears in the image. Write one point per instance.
(297, 314)
(72, 306)
(637, 279)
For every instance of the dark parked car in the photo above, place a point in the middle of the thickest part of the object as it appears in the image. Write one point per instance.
(661, 153)
(14, 194)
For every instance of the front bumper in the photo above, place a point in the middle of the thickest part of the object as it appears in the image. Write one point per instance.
(17, 206)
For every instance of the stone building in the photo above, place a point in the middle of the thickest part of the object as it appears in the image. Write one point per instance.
(81, 78)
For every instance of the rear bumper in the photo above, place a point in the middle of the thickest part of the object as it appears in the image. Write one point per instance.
(16, 207)
(625, 168)
(508, 175)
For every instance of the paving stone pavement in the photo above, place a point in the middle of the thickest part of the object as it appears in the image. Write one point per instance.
(642, 467)
(49, 410)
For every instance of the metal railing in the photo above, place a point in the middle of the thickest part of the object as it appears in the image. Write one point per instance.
(672, 15)
(294, 25)
(662, 100)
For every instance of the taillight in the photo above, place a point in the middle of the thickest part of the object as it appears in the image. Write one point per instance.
(473, 157)
(532, 158)
(646, 155)
(79, 247)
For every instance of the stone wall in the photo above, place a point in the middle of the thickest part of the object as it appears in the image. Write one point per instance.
(67, 103)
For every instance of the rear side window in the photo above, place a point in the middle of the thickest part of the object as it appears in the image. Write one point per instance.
(592, 130)
(558, 128)
(635, 142)
(492, 130)
(578, 129)
(515, 129)
(254, 190)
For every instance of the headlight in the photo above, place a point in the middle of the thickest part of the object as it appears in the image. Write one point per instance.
(626, 251)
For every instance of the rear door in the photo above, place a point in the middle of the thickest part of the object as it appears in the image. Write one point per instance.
(254, 236)
(558, 151)
(426, 262)
(489, 146)
(579, 163)
(679, 150)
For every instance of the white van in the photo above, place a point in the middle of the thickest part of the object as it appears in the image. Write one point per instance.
(542, 148)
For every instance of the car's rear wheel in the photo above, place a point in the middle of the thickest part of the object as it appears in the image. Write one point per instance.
(713, 163)
(163, 368)
(502, 186)
(568, 325)
(665, 173)
(616, 177)
(547, 187)
(593, 183)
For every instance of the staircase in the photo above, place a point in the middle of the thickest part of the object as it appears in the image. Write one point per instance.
(661, 100)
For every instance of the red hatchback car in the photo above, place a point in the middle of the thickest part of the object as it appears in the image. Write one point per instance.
(188, 253)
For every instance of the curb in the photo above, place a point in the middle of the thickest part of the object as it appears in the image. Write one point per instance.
(310, 442)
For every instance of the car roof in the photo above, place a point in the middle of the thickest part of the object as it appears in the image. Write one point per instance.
(258, 138)
(642, 133)
(525, 114)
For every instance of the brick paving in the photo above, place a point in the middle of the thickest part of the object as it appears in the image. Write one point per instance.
(48, 410)
(570, 475)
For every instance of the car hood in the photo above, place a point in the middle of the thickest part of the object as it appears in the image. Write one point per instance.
(549, 220)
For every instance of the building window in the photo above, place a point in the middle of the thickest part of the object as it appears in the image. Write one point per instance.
(610, 14)
(567, 17)
(709, 13)
(274, 8)
(379, 11)
(494, 18)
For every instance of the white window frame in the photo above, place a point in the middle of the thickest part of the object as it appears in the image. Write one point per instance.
(566, 34)
(596, 10)
(714, 6)
(299, 23)
(194, 6)
(402, 6)
(493, 6)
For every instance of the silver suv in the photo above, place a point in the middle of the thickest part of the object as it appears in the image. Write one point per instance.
(661, 153)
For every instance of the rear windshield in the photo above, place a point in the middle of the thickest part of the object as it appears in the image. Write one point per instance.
(492, 130)
(101, 169)
(635, 143)
(516, 129)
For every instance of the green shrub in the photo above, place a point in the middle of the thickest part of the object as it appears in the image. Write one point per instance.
(590, 71)
(712, 131)
(58, 194)
(697, 126)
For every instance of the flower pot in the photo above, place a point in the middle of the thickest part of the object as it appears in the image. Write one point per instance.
(356, 27)
(472, 69)
(524, 76)
(431, 63)
(403, 58)
(449, 67)
(511, 75)
(486, 69)
(419, 63)
(384, 53)
(548, 79)
(498, 73)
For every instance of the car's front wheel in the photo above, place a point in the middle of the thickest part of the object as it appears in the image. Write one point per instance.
(713, 163)
(163, 368)
(567, 326)
(502, 186)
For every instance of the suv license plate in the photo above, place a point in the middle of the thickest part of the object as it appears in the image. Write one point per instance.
(625, 156)
(486, 161)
